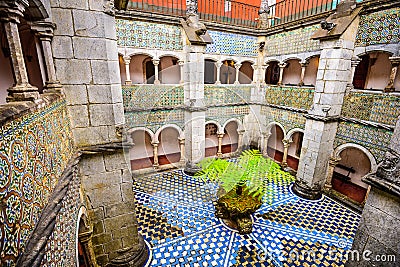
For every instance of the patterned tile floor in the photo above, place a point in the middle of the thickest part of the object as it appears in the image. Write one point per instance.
(176, 217)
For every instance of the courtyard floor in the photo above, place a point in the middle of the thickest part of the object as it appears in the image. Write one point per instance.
(176, 218)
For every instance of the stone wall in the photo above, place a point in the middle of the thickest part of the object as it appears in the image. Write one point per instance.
(34, 150)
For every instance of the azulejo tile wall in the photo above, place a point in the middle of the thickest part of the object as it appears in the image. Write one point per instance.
(376, 140)
(150, 95)
(289, 96)
(61, 246)
(226, 94)
(142, 34)
(154, 119)
(382, 27)
(292, 42)
(232, 44)
(381, 108)
(222, 114)
(34, 150)
(289, 119)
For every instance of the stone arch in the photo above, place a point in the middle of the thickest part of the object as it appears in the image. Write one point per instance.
(311, 70)
(239, 123)
(246, 72)
(210, 70)
(141, 154)
(292, 71)
(295, 142)
(272, 72)
(230, 139)
(285, 60)
(83, 244)
(151, 55)
(272, 60)
(210, 57)
(169, 69)
(250, 60)
(274, 143)
(176, 127)
(211, 137)
(150, 132)
(168, 144)
(370, 156)
(220, 129)
(272, 124)
(36, 11)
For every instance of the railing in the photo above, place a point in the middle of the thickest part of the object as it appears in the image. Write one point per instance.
(220, 11)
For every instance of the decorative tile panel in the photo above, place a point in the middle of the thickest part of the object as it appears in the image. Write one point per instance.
(381, 108)
(232, 44)
(292, 42)
(34, 150)
(150, 95)
(61, 246)
(374, 139)
(289, 96)
(154, 119)
(222, 114)
(289, 119)
(226, 94)
(382, 27)
(142, 34)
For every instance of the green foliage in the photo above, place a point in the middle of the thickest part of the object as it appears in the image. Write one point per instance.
(252, 171)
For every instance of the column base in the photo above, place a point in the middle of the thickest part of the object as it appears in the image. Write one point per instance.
(389, 89)
(53, 87)
(191, 168)
(304, 191)
(128, 82)
(24, 92)
(134, 257)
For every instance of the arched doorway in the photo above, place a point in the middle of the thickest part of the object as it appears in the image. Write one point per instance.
(141, 154)
(246, 73)
(272, 73)
(211, 139)
(230, 138)
(294, 150)
(275, 145)
(353, 165)
(292, 72)
(168, 147)
(169, 70)
(210, 71)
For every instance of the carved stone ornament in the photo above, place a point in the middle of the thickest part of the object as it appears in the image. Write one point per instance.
(109, 8)
(389, 168)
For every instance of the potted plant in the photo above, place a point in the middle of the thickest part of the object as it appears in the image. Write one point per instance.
(243, 185)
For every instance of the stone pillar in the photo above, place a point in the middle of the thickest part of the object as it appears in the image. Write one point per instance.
(322, 120)
(45, 30)
(240, 141)
(237, 67)
(332, 164)
(395, 64)
(156, 62)
(263, 73)
(286, 144)
(354, 63)
(265, 144)
(255, 73)
(182, 147)
(155, 153)
(181, 63)
(127, 61)
(22, 91)
(218, 65)
(303, 72)
(219, 152)
(282, 67)
(92, 86)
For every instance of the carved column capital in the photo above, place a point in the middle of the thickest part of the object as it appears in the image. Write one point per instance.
(282, 65)
(237, 66)
(155, 62)
(127, 59)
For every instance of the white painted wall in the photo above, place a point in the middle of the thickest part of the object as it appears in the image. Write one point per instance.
(142, 147)
(168, 72)
(379, 72)
(353, 157)
(310, 76)
(169, 142)
(292, 73)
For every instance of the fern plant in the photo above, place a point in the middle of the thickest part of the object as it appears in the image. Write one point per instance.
(252, 173)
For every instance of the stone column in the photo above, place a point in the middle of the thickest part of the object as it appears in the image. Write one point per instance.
(282, 67)
(265, 144)
(332, 164)
(303, 72)
(263, 73)
(127, 61)
(182, 148)
(240, 141)
(322, 120)
(45, 30)
(181, 63)
(218, 65)
(22, 91)
(156, 62)
(395, 64)
(237, 67)
(255, 73)
(286, 144)
(219, 152)
(155, 153)
(354, 63)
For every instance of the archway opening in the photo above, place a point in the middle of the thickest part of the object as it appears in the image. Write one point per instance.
(294, 150)
(6, 73)
(246, 73)
(83, 254)
(361, 72)
(168, 148)
(272, 73)
(211, 139)
(169, 70)
(228, 72)
(230, 138)
(149, 71)
(379, 71)
(275, 145)
(210, 71)
(141, 154)
(346, 179)
(310, 75)
(292, 73)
